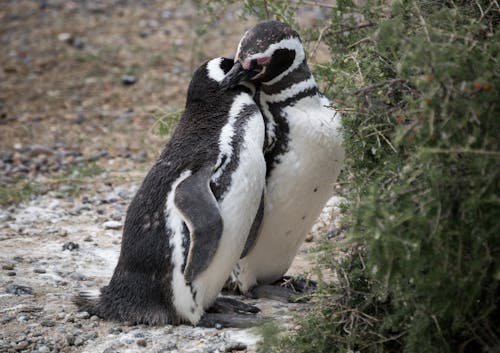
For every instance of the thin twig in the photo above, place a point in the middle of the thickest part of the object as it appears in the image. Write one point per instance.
(377, 85)
(422, 21)
(353, 28)
(460, 150)
(320, 4)
(480, 9)
(365, 39)
(318, 41)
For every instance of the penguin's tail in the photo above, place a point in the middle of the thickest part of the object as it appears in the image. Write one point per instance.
(87, 301)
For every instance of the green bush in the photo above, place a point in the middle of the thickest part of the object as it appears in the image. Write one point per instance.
(417, 85)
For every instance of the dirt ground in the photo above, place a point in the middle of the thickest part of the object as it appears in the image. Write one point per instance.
(83, 86)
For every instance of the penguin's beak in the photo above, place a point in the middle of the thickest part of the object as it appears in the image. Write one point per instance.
(236, 75)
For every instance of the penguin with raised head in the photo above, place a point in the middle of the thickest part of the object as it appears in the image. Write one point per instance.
(303, 150)
(190, 220)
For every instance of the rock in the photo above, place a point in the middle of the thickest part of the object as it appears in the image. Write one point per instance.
(48, 323)
(4, 217)
(115, 330)
(235, 346)
(70, 246)
(78, 43)
(96, 155)
(7, 318)
(21, 345)
(39, 270)
(141, 343)
(127, 116)
(79, 118)
(36, 150)
(82, 315)
(125, 193)
(18, 289)
(76, 276)
(112, 225)
(42, 349)
(129, 80)
(140, 156)
(116, 215)
(9, 267)
(78, 209)
(166, 14)
(11, 273)
(70, 339)
(64, 37)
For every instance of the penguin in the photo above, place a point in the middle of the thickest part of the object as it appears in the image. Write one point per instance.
(303, 150)
(191, 218)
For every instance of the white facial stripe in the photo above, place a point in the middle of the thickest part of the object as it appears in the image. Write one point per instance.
(290, 91)
(214, 70)
(288, 43)
(227, 133)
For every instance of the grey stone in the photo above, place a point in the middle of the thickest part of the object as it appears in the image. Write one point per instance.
(70, 246)
(18, 289)
(112, 225)
(129, 79)
(82, 315)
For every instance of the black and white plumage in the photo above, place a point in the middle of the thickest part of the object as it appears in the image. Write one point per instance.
(189, 222)
(303, 152)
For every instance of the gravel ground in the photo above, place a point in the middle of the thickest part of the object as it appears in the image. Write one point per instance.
(52, 247)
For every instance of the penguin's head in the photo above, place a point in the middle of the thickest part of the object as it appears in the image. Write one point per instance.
(207, 78)
(267, 52)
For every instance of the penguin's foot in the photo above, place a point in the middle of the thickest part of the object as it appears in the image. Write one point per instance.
(229, 312)
(230, 305)
(287, 290)
(222, 320)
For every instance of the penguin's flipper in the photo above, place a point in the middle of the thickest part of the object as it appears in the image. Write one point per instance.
(254, 230)
(195, 201)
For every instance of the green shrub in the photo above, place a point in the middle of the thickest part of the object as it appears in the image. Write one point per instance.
(417, 85)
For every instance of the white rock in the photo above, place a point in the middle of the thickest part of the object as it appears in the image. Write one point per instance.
(112, 225)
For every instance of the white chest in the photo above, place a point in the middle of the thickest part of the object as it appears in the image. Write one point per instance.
(297, 189)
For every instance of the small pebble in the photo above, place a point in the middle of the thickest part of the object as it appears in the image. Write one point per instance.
(70, 339)
(11, 273)
(21, 345)
(115, 330)
(70, 246)
(237, 346)
(82, 315)
(112, 225)
(129, 79)
(18, 289)
(39, 270)
(48, 323)
(141, 343)
(77, 276)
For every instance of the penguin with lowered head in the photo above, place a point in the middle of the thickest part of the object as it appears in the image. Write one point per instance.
(195, 213)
